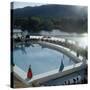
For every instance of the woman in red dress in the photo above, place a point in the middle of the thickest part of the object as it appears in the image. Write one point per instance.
(29, 73)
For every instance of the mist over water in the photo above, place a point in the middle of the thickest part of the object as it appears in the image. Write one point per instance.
(81, 39)
(53, 32)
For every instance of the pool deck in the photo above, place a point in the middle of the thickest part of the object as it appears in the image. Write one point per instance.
(40, 78)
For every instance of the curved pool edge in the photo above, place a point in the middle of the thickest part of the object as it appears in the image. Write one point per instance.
(49, 75)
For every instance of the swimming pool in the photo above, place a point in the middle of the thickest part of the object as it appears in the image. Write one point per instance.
(42, 59)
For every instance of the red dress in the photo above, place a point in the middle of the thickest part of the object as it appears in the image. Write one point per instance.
(29, 74)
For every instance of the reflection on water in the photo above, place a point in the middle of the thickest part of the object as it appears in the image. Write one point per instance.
(83, 42)
(81, 39)
(41, 59)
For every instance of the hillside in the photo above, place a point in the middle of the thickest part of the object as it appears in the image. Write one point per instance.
(64, 17)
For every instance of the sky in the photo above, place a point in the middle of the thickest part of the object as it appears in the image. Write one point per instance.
(24, 4)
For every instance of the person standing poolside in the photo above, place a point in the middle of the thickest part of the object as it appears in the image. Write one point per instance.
(29, 73)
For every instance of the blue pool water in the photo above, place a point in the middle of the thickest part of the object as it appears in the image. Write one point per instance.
(41, 59)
